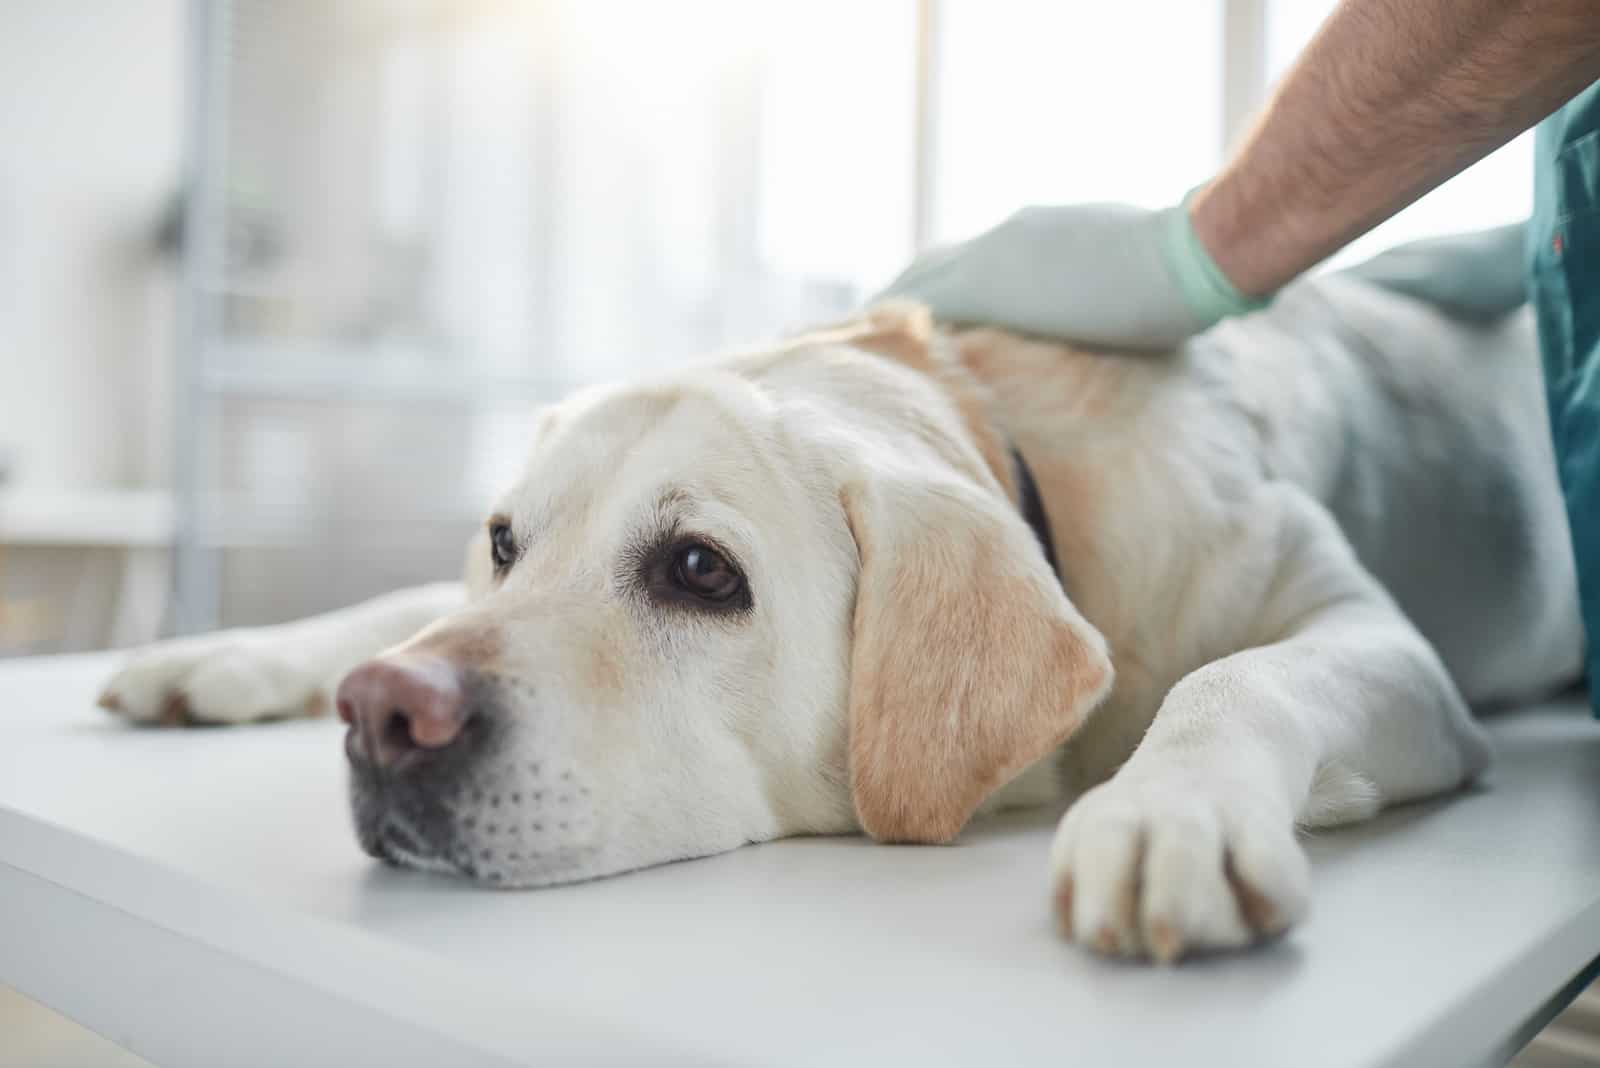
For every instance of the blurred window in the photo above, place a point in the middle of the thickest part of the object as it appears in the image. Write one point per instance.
(1072, 101)
(438, 214)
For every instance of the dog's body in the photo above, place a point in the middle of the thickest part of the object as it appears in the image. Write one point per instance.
(1246, 533)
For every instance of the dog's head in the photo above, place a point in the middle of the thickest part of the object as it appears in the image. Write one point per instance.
(783, 593)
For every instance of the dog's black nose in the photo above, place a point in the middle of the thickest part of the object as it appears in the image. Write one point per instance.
(401, 706)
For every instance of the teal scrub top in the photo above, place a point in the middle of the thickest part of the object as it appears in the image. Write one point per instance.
(1564, 283)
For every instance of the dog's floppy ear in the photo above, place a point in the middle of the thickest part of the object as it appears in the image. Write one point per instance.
(968, 664)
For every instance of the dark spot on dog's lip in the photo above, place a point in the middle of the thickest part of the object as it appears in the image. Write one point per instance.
(399, 836)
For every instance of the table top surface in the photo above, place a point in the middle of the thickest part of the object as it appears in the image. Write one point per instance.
(225, 854)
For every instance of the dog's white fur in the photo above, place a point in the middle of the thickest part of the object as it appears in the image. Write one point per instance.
(1306, 542)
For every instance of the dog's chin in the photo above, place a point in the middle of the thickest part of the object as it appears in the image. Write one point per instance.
(393, 853)
(387, 836)
(498, 878)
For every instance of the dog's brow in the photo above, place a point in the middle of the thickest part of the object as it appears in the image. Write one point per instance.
(674, 498)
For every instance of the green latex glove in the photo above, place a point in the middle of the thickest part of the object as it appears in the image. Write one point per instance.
(1480, 275)
(1100, 274)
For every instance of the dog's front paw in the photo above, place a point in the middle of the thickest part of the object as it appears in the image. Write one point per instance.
(218, 678)
(1162, 869)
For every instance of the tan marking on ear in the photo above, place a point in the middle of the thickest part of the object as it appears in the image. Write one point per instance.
(900, 330)
(316, 704)
(895, 327)
(904, 331)
(972, 403)
(968, 663)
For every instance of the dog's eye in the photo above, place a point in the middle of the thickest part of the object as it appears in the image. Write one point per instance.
(502, 546)
(706, 573)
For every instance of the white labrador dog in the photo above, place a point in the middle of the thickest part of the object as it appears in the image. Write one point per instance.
(808, 590)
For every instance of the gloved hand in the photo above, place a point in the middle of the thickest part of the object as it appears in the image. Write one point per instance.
(1099, 274)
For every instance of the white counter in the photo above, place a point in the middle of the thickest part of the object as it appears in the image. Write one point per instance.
(198, 897)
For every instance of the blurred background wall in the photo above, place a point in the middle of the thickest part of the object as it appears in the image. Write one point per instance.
(91, 108)
(282, 280)
(86, 164)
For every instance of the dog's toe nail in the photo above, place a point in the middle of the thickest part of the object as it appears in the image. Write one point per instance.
(1256, 908)
(1064, 907)
(175, 711)
(1166, 944)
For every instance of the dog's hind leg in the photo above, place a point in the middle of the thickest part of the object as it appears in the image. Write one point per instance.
(238, 676)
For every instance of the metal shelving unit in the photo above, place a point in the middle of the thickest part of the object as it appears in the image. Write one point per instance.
(195, 580)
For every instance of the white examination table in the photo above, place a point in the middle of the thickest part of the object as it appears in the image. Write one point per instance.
(197, 897)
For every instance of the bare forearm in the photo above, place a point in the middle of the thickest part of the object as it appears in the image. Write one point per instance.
(1390, 99)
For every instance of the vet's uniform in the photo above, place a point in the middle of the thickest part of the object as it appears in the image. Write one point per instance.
(1564, 283)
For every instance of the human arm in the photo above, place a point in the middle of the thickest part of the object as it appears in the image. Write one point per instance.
(1391, 98)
